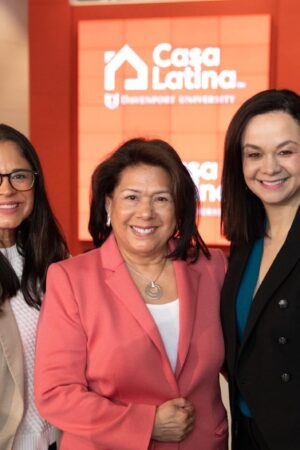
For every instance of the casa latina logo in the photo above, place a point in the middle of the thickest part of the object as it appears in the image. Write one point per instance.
(172, 69)
(175, 69)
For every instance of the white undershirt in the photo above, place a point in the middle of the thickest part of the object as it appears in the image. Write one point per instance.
(33, 433)
(166, 317)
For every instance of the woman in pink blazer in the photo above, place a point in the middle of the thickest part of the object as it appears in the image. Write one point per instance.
(129, 345)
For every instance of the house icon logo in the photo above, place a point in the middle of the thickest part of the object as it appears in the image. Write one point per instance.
(114, 60)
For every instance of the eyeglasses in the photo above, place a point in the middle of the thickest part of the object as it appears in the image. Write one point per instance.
(20, 180)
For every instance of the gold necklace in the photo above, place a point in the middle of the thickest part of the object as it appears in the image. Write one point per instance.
(153, 290)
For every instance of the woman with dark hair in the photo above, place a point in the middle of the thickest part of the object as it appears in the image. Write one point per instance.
(30, 240)
(136, 346)
(260, 303)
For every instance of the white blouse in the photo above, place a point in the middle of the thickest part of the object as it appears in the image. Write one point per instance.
(166, 317)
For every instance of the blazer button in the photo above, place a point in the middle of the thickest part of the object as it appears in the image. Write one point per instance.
(285, 377)
(282, 340)
(283, 303)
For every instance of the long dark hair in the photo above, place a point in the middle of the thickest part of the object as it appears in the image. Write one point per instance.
(153, 152)
(38, 238)
(243, 215)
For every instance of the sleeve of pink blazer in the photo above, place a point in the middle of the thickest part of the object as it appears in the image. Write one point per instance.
(61, 391)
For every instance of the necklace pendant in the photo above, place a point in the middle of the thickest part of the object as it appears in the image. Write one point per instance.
(153, 290)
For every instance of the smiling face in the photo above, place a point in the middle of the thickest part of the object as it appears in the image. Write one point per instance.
(142, 212)
(15, 206)
(271, 158)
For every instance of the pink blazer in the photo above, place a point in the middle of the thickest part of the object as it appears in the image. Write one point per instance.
(101, 367)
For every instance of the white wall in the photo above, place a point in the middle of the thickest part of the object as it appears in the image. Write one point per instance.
(14, 65)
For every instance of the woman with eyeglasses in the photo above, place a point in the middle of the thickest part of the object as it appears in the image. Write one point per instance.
(30, 241)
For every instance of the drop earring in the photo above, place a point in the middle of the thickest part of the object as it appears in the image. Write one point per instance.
(108, 220)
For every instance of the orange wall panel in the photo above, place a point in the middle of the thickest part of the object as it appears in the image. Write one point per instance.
(192, 109)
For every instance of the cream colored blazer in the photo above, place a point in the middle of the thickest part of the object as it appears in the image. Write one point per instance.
(11, 377)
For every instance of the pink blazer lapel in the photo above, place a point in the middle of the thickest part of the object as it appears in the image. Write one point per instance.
(187, 285)
(124, 288)
(122, 285)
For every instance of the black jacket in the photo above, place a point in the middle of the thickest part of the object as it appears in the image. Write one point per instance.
(266, 365)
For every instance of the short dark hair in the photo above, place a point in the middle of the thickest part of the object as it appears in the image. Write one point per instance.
(38, 238)
(152, 152)
(243, 214)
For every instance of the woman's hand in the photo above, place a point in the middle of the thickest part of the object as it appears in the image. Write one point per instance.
(174, 420)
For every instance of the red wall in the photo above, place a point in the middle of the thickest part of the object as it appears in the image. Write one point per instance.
(53, 88)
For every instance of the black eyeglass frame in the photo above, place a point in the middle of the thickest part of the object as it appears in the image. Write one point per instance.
(8, 175)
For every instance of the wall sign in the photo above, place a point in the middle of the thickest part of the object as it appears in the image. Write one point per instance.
(179, 79)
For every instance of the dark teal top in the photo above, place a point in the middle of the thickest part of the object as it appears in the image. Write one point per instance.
(244, 301)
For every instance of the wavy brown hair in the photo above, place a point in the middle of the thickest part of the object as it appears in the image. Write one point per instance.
(243, 215)
(153, 152)
(39, 239)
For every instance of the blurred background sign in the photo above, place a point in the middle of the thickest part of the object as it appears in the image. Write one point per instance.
(180, 79)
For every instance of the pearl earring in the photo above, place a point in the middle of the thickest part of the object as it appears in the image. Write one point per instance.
(108, 220)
